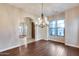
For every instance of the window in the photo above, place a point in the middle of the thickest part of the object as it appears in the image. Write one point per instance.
(56, 28)
(22, 29)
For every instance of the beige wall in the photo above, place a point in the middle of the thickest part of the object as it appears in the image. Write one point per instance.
(10, 18)
(57, 16)
(72, 27)
(41, 33)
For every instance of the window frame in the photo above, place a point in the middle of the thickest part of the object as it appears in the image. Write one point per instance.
(56, 30)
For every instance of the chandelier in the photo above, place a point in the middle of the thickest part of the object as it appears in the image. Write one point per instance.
(42, 21)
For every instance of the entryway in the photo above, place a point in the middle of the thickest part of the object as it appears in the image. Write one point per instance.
(30, 29)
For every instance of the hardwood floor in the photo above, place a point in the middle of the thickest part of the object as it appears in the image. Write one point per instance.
(43, 48)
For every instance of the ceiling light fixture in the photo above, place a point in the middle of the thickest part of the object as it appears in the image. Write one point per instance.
(42, 21)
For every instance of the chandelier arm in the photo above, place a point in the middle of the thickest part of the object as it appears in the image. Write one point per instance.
(42, 18)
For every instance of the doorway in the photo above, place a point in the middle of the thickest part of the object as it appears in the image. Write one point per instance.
(30, 29)
(33, 30)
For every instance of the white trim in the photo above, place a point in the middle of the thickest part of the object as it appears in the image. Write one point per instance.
(11, 47)
(57, 41)
(36, 39)
(77, 46)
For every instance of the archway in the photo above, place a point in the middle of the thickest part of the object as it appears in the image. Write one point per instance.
(30, 29)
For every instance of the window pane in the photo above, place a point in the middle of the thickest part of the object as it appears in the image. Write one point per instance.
(52, 24)
(60, 32)
(56, 28)
(60, 23)
(50, 31)
(53, 31)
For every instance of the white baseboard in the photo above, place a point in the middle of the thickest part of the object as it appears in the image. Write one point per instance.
(11, 47)
(61, 41)
(77, 46)
(37, 39)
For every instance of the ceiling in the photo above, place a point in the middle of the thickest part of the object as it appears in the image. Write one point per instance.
(49, 9)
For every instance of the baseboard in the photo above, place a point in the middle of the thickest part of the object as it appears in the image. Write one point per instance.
(38, 39)
(11, 47)
(57, 41)
(76, 46)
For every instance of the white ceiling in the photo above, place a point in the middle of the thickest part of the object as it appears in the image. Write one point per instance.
(49, 9)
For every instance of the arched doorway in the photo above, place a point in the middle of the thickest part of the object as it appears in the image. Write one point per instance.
(30, 29)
